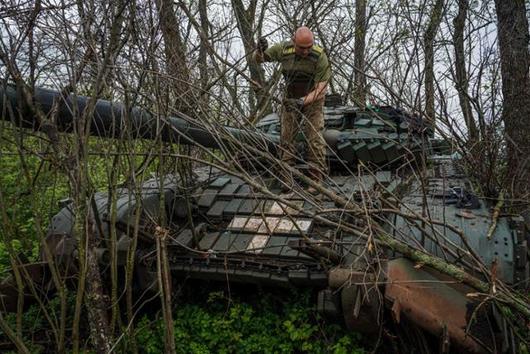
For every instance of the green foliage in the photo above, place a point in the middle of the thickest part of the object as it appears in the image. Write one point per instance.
(35, 326)
(223, 326)
(17, 247)
(29, 188)
(33, 180)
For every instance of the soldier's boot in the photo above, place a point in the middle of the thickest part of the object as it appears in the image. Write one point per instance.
(317, 177)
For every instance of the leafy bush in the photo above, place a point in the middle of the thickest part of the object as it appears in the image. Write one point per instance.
(223, 326)
(36, 330)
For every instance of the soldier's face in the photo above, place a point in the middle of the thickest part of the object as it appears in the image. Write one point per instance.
(302, 47)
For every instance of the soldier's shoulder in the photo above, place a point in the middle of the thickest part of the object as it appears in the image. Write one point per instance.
(316, 53)
(276, 51)
(287, 48)
(317, 49)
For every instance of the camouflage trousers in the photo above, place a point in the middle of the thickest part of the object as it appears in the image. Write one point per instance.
(311, 121)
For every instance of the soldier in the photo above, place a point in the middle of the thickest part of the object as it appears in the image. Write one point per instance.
(306, 72)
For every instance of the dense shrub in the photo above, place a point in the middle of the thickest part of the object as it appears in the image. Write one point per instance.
(227, 326)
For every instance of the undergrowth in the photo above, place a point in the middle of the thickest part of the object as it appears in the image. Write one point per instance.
(214, 323)
(263, 324)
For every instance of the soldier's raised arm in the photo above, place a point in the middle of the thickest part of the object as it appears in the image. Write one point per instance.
(261, 47)
(265, 53)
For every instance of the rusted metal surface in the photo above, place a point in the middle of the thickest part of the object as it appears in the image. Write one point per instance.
(433, 303)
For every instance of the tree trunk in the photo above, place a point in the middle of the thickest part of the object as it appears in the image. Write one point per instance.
(512, 27)
(95, 299)
(461, 77)
(203, 52)
(164, 283)
(359, 86)
(245, 23)
(430, 34)
(175, 52)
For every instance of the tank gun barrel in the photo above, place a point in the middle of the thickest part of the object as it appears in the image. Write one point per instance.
(115, 120)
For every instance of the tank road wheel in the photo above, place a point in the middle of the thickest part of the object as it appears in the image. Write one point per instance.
(360, 308)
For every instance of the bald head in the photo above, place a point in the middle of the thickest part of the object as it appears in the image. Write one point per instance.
(303, 41)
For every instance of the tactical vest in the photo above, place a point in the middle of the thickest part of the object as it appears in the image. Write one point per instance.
(299, 72)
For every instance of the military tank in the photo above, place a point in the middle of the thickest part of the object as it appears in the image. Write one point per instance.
(395, 199)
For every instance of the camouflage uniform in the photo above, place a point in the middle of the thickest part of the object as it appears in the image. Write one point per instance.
(301, 74)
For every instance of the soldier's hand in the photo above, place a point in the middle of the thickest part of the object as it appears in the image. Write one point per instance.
(262, 45)
(294, 103)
